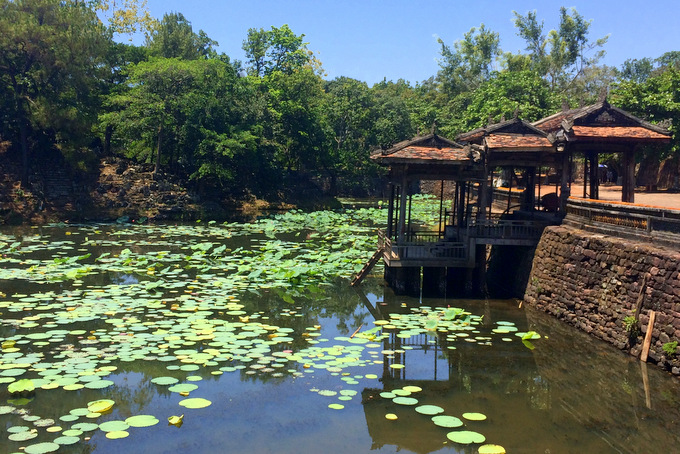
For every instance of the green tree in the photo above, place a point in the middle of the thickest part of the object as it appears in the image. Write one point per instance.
(298, 130)
(470, 62)
(194, 115)
(657, 100)
(508, 93)
(561, 56)
(275, 50)
(49, 69)
(174, 37)
(351, 116)
(393, 117)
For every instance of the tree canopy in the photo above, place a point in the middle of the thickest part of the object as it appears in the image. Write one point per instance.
(230, 127)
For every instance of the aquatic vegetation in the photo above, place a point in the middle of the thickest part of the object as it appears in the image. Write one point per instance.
(185, 303)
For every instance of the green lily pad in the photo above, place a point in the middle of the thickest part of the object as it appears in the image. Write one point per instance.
(429, 410)
(24, 435)
(113, 426)
(66, 440)
(183, 388)
(142, 421)
(336, 406)
(195, 402)
(405, 400)
(164, 381)
(447, 421)
(24, 385)
(41, 448)
(466, 437)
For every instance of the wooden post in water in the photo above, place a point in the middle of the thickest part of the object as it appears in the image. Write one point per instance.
(648, 337)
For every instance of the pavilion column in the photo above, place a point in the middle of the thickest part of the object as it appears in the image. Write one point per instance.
(594, 175)
(565, 190)
(390, 212)
(402, 209)
(628, 189)
(461, 205)
(530, 190)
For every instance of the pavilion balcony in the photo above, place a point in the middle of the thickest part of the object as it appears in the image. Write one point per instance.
(428, 249)
(455, 247)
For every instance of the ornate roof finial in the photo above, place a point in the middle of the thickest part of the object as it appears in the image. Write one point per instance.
(434, 127)
(565, 105)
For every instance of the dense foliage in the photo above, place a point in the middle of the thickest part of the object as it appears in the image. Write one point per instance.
(233, 127)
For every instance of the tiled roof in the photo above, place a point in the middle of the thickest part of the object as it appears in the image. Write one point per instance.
(427, 154)
(518, 141)
(616, 132)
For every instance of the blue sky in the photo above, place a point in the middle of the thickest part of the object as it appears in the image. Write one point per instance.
(374, 39)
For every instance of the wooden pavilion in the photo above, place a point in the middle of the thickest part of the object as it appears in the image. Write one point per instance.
(455, 251)
(598, 129)
(516, 144)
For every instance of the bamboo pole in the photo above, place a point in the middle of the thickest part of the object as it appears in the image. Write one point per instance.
(648, 337)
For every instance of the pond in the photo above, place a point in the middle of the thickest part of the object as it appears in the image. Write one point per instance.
(250, 339)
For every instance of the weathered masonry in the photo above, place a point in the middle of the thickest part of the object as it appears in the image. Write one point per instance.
(450, 258)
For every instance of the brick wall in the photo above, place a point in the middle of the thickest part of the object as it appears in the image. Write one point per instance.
(594, 282)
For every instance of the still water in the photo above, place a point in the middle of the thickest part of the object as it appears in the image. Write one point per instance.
(285, 357)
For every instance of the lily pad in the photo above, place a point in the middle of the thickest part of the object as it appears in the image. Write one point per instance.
(24, 385)
(165, 381)
(24, 435)
(474, 416)
(195, 402)
(142, 421)
(116, 434)
(405, 400)
(66, 440)
(466, 437)
(100, 406)
(41, 448)
(447, 421)
(113, 426)
(429, 410)
(491, 449)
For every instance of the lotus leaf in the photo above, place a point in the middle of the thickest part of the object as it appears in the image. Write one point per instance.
(466, 437)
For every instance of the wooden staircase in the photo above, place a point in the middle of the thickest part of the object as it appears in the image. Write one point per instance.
(367, 267)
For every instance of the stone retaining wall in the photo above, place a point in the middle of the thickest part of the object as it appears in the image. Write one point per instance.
(594, 282)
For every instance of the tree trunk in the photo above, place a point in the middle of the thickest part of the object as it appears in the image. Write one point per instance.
(158, 149)
(25, 168)
(108, 134)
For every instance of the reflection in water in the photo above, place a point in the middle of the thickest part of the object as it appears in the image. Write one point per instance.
(571, 393)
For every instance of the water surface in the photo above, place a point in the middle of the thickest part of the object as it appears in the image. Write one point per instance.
(272, 341)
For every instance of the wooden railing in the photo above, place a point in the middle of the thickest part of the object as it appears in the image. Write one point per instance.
(505, 229)
(655, 224)
(424, 247)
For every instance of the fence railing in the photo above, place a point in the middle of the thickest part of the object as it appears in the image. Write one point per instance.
(652, 223)
(424, 247)
(505, 229)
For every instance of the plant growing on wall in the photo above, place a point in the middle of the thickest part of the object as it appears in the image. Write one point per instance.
(631, 325)
(669, 348)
